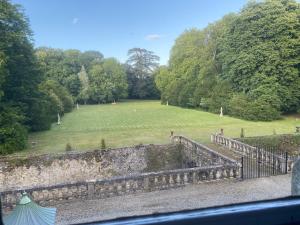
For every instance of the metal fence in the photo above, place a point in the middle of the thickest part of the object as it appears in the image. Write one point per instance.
(271, 163)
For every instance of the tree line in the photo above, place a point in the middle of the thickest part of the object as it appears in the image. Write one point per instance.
(247, 63)
(37, 85)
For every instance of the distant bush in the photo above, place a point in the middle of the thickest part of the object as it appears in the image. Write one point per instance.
(258, 110)
(103, 145)
(68, 147)
(242, 135)
(13, 136)
(286, 142)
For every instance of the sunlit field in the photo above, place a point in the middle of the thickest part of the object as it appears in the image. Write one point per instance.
(142, 122)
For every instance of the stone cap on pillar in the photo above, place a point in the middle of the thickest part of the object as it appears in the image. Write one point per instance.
(296, 179)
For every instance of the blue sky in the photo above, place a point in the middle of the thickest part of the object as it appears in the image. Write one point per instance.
(114, 26)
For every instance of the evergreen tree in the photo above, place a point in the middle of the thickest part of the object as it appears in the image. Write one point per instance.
(140, 68)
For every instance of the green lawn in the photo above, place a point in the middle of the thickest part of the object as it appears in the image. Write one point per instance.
(135, 122)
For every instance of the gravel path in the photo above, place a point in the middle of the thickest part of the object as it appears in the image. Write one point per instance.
(189, 197)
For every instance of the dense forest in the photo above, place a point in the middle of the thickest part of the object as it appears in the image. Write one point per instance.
(247, 63)
(37, 85)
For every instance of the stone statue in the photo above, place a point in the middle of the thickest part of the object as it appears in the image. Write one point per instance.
(167, 102)
(58, 119)
(296, 179)
(221, 112)
(77, 106)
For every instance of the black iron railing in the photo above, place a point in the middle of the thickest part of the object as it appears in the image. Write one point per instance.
(268, 161)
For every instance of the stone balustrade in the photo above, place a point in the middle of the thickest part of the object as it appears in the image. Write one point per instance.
(122, 185)
(264, 156)
(210, 166)
(206, 154)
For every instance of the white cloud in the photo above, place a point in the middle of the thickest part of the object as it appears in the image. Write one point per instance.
(75, 20)
(153, 37)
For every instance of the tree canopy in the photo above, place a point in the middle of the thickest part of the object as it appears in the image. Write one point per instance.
(37, 84)
(140, 68)
(247, 63)
(22, 104)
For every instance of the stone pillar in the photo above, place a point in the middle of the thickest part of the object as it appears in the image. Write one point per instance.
(171, 180)
(194, 178)
(127, 186)
(156, 183)
(178, 179)
(185, 178)
(91, 188)
(163, 181)
(296, 179)
(146, 184)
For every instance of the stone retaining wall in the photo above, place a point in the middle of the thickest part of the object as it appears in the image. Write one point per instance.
(52, 169)
(122, 185)
(220, 167)
(253, 152)
(201, 154)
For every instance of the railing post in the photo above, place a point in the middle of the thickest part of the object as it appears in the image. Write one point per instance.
(259, 163)
(286, 162)
(91, 189)
(273, 164)
(242, 168)
(1, 222)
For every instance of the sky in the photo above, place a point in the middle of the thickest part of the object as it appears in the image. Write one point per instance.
(114, 26)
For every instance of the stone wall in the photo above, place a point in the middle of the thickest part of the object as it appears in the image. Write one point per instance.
(48, 170)
(254, 152)
(200, 155)
(122, 185)
(106, 173)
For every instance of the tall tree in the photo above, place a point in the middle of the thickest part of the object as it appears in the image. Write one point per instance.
(260, 53)
(116, 73)
(107, 82)
(143, 62)
(251, 57)
(140, 68)
(89, 58)
(22, 104)
(64, 66)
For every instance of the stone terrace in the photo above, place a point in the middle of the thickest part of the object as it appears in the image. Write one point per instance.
(188, 197)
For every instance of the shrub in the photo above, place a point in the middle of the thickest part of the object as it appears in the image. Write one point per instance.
(12, 139)
(258, 110)
(242, 135)
(103, 145)
(13, 135)
(68, 147)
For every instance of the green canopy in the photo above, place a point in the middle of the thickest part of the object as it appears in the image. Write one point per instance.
(28, 212)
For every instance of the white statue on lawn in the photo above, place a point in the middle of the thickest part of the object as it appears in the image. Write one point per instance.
(58, 119)
(221, 112)
(77, 106)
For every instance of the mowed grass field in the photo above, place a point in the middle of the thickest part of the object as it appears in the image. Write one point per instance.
(143, 122)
